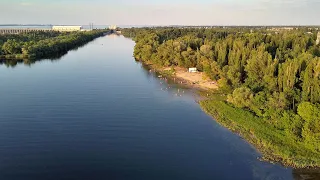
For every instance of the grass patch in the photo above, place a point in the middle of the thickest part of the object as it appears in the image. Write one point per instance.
(274, 144)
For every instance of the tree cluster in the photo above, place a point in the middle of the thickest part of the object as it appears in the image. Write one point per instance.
(43, 44)
(273, 74)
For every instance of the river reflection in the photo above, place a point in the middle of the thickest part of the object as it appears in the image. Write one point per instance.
(27, 62)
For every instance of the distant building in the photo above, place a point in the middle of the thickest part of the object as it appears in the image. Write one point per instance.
(192, 70)
(113, 27)
(281, 29)
(288, 28)
(67, 28)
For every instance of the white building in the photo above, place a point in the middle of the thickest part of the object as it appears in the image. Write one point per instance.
(67, 28)
(192, 70)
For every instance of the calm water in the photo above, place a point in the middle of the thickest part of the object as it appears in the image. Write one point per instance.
(97, 114)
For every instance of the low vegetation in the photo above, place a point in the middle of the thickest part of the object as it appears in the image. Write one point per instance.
(276, 144)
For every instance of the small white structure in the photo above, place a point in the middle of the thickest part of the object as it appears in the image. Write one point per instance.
(192, 70)
(67, 28)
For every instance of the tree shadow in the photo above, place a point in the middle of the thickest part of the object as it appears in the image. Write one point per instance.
(306, 174)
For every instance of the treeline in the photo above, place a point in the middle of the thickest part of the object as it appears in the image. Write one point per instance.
(274, 74)
(43, 44)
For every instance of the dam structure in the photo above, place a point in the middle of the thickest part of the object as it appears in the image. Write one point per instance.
(54, 28)
(21, 30)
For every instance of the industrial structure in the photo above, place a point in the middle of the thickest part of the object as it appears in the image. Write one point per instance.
(66, 28)
(26, 30)
(112, 27)
(18, 30)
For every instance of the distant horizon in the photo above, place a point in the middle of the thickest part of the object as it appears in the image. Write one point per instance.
(169, 25)
(163, 12)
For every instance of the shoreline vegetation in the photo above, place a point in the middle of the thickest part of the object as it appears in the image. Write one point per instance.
(269, 87)
(36, 45)
(239, 121)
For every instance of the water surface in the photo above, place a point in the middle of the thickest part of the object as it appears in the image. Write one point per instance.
(96, 114)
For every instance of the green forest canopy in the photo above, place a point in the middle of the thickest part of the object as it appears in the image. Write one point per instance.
(274, 74)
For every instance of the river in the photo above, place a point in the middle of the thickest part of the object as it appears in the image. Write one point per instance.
(95, 113)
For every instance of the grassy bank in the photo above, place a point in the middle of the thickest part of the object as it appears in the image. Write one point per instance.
(274, 144)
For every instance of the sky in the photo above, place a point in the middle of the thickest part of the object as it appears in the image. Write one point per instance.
(161, 12)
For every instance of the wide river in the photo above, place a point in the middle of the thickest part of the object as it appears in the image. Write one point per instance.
(97, 114)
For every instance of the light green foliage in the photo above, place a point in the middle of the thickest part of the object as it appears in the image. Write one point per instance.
(285, 144)
(311, 81)
(308, 111)
(311, 129)
(241, 97)
(224, 85)
(11, 46)
(260, 69)
(258, 103)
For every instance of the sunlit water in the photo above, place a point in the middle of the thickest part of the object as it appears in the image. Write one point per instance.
(97, 114)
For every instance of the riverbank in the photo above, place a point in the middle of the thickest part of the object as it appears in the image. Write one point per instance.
(271, 102)
(274, 145)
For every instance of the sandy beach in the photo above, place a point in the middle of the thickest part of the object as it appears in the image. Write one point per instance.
(195, 79)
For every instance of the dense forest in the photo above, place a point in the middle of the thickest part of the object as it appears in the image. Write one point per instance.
(42, 44)
(269, 78)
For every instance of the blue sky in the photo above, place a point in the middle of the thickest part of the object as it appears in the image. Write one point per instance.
(161, 12)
